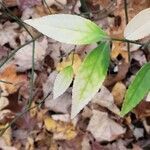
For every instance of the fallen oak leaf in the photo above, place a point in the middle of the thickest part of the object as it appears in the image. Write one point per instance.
(9, 74)
(3, 51)
(118, 93)
(142, 110)
(56, 2)
(24, 4)
(103, 128)
(105, 98)
(122, 71)
(8, 34)
(7, 135)
(23, 58)
(74, 144)
(118, 49)
(6, 116)
(3, 102)
(61, 130)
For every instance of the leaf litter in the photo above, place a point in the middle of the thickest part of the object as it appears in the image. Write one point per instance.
(49, 126)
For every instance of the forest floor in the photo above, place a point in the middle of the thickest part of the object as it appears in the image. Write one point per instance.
(29, 117)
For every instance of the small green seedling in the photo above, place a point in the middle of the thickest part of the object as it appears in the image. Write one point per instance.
(77, 30)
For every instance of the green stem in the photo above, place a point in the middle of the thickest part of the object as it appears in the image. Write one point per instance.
(126, 41)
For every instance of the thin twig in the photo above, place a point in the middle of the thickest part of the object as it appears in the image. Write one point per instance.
(127, 41)
(16, 50)
(6, 82)
(21, 114)
(44, 2)
(85, 8)
(73, 6)
(19, 21)
(73, 54)
(147, 45)
(127, 20)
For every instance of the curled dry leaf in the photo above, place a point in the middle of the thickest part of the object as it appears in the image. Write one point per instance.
(23, 4)
(105, 99)
(138, 132)
(6, 116)
(118, 93)
(139, 56)
(74, 144)
(10, 3)
(103, 128)
(61, 104)
(4, 146)
(48, 85)
(122, 71)
(142, 110)
(119, 49)
(61, 130)
(3, 51)
(6, 136)
(61, 117)
(57, 3)
(8, 34)
(3, 102)
(28, 13)
(9, 74)
(118, 145)
(86, 143)
(23, 58)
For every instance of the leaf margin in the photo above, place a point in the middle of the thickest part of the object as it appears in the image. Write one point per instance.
(125, 107)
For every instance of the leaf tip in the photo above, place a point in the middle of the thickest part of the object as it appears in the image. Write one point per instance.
(122, 114)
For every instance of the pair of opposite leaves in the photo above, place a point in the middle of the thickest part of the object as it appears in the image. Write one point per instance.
(74, 29)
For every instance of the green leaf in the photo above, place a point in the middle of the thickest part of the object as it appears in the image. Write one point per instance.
(63, 81)
(90, 77)
(71, 29)
(137, 89)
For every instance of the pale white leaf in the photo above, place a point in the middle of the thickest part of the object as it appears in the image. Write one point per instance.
(63, 81)
(90, 77)
(139, 26)
(70, 29)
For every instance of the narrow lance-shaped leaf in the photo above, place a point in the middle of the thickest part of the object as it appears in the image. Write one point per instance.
(137, 89)
(71, 29)
(63, 81)
(90, 77)
(139, 26)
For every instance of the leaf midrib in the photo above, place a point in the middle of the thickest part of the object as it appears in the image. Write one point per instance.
(94, 66)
